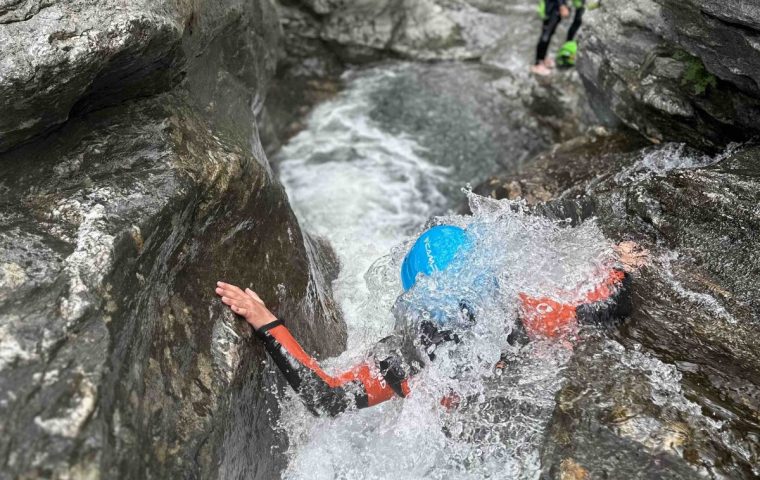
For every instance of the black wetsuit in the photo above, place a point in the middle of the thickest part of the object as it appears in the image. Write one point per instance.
(395, 359)
(577, 21)
(551, 21)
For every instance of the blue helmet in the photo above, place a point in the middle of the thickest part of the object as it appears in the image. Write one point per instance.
(433, 251)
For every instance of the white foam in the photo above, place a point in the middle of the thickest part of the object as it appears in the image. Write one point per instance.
(672, 156)
(361, 188)
(369, 193)
(666, 261)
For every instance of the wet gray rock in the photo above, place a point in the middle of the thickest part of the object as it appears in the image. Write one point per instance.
(363, 30)
(726, 37)
(675, 71)
(674, 390)
(63, 58)
(502, 38)
(116, 359)
(620, 415)
(567, 169)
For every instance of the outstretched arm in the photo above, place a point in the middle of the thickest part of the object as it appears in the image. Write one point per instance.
(609, 299)
(363, 386)
(546, 317)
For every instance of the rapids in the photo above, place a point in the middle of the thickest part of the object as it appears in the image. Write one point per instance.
(368, 186)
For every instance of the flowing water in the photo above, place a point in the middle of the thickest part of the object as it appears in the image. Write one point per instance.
(387, 158)
(391, 151)
(375, 166)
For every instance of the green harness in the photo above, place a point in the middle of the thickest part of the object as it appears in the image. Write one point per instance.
(542, 9)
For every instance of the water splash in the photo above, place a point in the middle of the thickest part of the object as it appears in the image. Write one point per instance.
(667, 263)
(497, 429)
(362, 188)
(672, 156)
(371, 190)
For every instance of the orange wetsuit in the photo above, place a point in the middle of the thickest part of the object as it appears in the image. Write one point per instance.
(386, 372)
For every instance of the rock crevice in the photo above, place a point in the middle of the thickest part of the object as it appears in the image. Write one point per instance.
(684, 71)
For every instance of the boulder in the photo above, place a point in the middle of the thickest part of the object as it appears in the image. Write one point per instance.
(675, 71)
(62, 58)
(673, 391)
(725, 37)
(116, 358)
(365, 30)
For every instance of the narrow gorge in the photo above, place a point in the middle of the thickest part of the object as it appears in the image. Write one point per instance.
(297, 147)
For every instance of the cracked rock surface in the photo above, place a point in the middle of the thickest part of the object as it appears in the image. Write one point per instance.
(676, 71)
(116, 359)
(61, 58)
(673, 391)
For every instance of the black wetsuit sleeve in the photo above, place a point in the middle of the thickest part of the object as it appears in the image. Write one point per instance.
(615, 306)
(324, 394)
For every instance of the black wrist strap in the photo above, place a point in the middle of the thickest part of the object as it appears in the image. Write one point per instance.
(265, 328)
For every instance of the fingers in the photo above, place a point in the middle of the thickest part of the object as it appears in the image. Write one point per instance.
(631, 249)
(238, 300)
(231, 291)
(244, 302)
(232, 302)
(227, 290)
(632, 255)
(625, 247)
(254, 295)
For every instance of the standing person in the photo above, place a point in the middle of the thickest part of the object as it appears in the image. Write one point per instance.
(552, 12)
(395, 359)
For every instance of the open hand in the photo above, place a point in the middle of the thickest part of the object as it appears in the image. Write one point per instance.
(246, 304)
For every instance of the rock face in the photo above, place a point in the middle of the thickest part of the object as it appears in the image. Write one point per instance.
(62, 58)
(325, 38)
(496, 32)
(116, 360)
(676, 71)
(674, 390)
(420, 29)
(725, 37)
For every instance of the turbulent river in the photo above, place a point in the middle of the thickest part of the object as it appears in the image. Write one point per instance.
(376, 165)
(370, 170)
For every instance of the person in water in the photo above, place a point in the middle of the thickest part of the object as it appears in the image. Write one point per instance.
(398, 357)
(552, 12)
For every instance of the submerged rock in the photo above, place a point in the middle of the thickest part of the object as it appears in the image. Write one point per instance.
(675, 71)
(684, 397)
(116, 359)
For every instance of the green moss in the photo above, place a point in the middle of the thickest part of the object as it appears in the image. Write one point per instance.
(696, 79)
